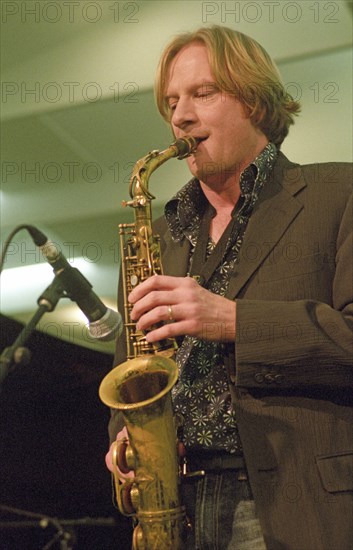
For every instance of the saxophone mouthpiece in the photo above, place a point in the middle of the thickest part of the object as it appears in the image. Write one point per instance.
(186, 146)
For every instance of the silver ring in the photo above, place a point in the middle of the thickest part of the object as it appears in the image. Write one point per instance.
(170, 313)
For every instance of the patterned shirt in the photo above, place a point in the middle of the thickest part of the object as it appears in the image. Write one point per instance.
(201, 397)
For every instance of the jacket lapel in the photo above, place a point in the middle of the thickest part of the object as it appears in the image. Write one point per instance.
(275, 210)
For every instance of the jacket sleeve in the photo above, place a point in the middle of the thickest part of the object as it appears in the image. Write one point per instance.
(301, 342)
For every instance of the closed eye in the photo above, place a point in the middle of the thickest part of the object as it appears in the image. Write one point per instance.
(206, 90)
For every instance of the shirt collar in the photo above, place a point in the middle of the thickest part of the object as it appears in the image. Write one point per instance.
(256, 173)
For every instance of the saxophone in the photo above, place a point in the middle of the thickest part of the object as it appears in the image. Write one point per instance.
(141, 387)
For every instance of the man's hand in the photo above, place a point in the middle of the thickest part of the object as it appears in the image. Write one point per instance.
(184, 307)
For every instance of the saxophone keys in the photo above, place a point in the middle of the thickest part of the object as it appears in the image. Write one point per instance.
(135, 202)
(128, 498)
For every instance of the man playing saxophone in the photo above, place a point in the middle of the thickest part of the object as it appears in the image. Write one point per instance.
(264, 335)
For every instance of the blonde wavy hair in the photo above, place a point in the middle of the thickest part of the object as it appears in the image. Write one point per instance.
(242, 68)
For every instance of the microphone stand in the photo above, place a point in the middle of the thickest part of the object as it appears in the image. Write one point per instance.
(62, 536)
(65, 529)
(17, 354)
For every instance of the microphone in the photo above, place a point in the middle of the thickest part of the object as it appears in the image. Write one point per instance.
(104, 323)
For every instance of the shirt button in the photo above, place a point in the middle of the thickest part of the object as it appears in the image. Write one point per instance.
(259, 377)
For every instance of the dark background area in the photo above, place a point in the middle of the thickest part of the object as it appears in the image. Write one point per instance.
(53, 441)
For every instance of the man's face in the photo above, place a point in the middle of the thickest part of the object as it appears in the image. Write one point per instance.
(200, 109)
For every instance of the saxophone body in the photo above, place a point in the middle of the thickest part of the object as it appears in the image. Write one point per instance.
(141, 387)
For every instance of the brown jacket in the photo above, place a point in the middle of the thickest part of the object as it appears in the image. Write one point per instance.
(291, 370)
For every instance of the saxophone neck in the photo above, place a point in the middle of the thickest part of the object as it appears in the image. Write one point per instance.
(141, 173)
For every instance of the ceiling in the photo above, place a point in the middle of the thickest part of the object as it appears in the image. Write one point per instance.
(77, 111)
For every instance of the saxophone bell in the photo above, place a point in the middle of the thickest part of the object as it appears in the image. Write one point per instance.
(141, 389)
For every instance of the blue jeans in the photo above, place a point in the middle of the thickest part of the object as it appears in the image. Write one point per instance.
(221, 511)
